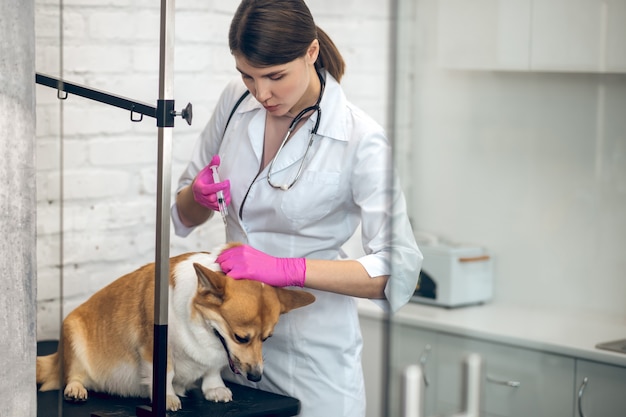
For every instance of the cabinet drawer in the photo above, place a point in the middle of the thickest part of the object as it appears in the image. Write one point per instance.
(603, 393)
(517, 382)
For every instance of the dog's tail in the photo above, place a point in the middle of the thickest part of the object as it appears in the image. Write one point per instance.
(49, 372)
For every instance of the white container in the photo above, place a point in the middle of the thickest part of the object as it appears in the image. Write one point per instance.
(454, 275)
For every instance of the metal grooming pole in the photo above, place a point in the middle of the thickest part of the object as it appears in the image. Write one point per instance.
(164, 114)
(165, 123)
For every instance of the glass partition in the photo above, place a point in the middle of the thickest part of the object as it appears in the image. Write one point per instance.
(49, 162)
(509, 142)
(97, 163)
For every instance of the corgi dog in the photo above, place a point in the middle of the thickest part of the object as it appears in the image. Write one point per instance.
(214, 321)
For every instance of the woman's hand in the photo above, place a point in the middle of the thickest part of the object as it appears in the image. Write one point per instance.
(205, 188)
(245, 262)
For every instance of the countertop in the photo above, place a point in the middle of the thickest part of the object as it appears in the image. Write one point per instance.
(563, 333)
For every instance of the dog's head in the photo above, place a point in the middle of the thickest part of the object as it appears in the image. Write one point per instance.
(243, 314)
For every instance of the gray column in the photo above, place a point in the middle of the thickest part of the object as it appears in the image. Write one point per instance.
(17, 210)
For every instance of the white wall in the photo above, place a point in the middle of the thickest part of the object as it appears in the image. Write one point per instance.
(108, 164)
(510, 160)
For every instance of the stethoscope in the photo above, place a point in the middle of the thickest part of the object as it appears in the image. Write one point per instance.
(314, 108)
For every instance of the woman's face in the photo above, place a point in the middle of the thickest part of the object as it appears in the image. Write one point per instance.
(283, 88)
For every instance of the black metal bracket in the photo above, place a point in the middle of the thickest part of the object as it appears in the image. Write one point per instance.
(164, 112)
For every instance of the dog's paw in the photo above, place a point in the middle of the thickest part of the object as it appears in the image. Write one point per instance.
(172, 403)
(218, 394)
(75, 392)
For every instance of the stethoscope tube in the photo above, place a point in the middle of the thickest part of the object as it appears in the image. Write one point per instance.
(314, 108)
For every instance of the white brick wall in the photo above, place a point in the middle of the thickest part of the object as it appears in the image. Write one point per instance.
(107, 168)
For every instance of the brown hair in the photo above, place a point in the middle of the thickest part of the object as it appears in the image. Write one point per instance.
(274, 32)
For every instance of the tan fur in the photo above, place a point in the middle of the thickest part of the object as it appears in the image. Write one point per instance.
(48, 372)
(107, 341)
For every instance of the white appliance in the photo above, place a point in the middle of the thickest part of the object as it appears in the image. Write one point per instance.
(454, 275)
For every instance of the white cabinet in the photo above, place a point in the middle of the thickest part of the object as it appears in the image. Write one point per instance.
(517, 382)
(578, 35)
(484, 34)
(533, 35)
(616, 36)
(601, 390)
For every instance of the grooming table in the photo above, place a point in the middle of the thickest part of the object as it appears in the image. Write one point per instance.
(247, 402)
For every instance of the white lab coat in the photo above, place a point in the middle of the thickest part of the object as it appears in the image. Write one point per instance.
(315, 352)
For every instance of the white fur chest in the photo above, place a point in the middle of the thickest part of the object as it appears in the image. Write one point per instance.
(194, 348)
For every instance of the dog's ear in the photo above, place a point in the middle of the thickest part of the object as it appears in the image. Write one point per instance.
(210, 281)
(291, 299)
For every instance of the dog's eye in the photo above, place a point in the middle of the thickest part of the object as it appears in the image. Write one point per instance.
(242, 340)
(265, 338)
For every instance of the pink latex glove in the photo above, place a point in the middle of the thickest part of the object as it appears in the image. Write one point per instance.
(205, 189)
(245, 262)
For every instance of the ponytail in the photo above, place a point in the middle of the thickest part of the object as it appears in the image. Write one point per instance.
(329, 58)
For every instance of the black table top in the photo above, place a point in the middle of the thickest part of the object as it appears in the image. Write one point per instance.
(247, 402)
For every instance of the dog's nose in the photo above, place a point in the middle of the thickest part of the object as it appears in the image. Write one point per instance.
(254, 376)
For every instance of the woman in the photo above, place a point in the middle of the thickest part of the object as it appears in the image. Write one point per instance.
(295, 207)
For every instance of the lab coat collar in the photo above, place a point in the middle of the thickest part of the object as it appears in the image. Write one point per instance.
(334, 110)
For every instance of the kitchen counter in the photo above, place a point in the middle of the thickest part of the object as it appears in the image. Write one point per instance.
(570, 334)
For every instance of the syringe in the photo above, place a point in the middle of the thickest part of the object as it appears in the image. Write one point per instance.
(221, 202)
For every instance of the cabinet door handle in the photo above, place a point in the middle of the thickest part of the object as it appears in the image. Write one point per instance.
(508, 383)
(422, 364)
(581, 391)
(412, 391)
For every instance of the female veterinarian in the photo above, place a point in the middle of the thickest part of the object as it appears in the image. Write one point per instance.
(302, 167)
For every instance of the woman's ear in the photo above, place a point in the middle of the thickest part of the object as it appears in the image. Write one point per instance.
(313, 51)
